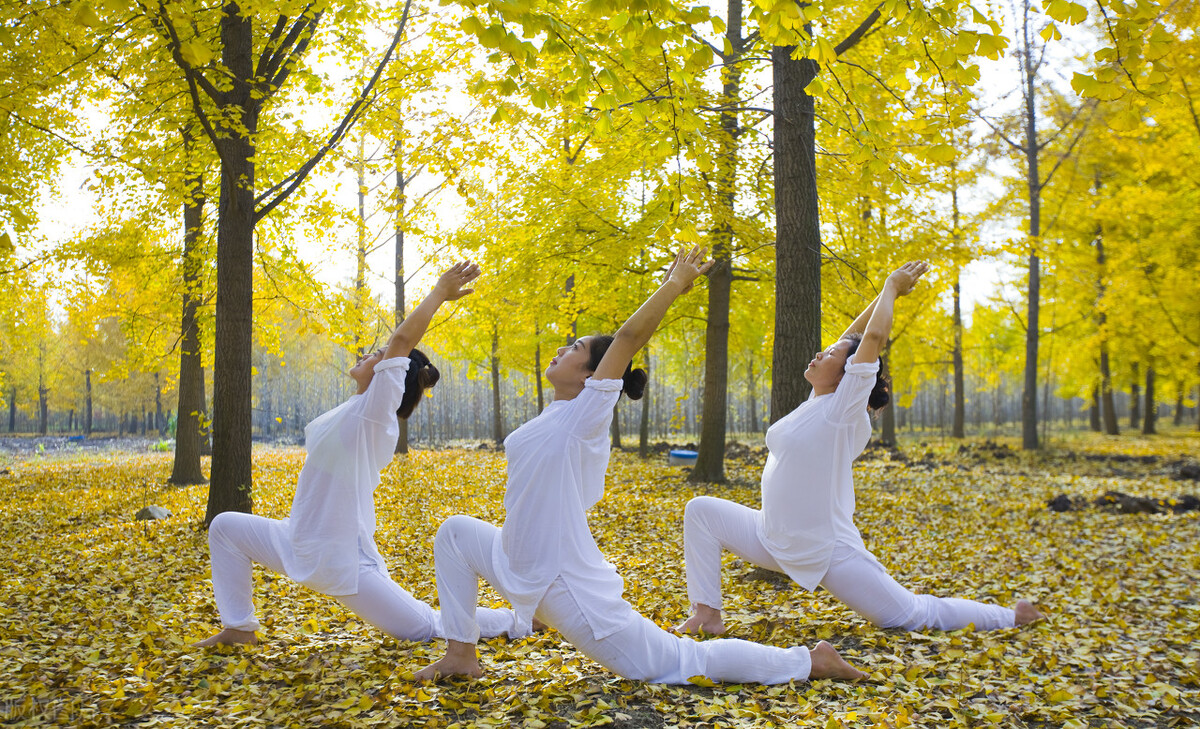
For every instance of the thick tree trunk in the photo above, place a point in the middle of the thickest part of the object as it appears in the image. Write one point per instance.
(797, 232)
(87, 403)
(1108, 409)
(186, 468)
(1151, 417)
(615, 428)
(1094, 410)
(958, 429)
(231, 488)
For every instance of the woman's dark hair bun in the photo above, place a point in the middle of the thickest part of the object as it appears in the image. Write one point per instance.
(880, 394)
(634, 383)
(428, 375)
(421, 376)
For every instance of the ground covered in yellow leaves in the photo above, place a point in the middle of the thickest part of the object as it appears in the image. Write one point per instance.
(97, 610)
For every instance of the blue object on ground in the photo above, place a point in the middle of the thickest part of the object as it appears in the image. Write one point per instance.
(681, 458)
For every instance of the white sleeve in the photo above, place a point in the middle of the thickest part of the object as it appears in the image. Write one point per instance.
(849, 400)
(382, 398)
(592, 410)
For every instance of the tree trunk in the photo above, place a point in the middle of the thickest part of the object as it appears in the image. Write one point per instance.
(401, 201)
(753, 395)
(797, 231)
(958, 430)
(205, 421)
(1135, 395)
(710, 460)
(160, 423)
(186, 469)
(43, 421)
(887, 435)
(615, 429)
(497, 414)
(1094, 411)
(537, 367)
(12, 405)
(1178, 419)
(1151, 416)
(87, 403)
(1029, 419)
(644, 426)
(231, 487)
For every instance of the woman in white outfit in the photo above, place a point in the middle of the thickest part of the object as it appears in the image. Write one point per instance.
(805, 528)
(544, 559)
(328, 542)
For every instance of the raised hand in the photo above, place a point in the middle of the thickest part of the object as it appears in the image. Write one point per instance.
(906, 277)
(450, 285)
(687, 267)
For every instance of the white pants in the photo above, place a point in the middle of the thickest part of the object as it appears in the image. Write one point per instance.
(236, 540)
(641, 651)
(855, 577)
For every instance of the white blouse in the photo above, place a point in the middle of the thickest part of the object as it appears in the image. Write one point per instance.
(807, 486)
(331, 530)
(556, 466)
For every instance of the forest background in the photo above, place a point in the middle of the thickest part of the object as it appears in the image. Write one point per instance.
(569, 148)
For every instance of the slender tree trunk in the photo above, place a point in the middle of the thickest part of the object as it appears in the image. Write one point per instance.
(644, 425)
(752, 389)
(87, 403)
(401, 306)
(1135, 395)
(887, 426)
(537, 367)
(205, 422)
(160, 422)
(798, 231)
(43, 420)
(1094, 411)
(1151, 416)
(960, 404)
(615, 429)
(230, 489)
(497, 414)
(1029, 419)
(12, 406)
(1178, 419)
(1106, 394)
(710, 460)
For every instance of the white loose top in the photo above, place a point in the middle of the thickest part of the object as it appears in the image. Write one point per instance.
(807, 486)
(556, 466)
(332, 523)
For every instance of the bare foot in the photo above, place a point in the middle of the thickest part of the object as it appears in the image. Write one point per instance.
(826, 663)
(461, 659)
(229, 636)
(1026, 613)
(704, 619)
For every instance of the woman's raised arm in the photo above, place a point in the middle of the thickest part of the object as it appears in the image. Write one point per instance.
(879, 322)
(449, 287)
(637, 330)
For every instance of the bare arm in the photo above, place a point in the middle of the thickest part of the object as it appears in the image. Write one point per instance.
(636, 331)
(879, 318)
(448, 288)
